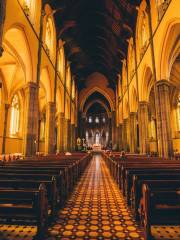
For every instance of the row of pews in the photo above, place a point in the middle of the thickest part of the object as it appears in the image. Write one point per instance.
(151, 187)
(32, 190)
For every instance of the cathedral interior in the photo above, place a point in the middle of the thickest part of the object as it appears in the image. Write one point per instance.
(89, 119)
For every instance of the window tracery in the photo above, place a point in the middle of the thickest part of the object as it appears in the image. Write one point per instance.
(48, 38)
(15, 114)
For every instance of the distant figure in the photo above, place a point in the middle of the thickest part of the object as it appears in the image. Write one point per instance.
(123, 155)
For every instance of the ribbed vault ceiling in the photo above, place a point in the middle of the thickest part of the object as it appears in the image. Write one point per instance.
(95, 34)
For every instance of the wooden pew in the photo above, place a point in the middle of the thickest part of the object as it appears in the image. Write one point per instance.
(140, 179)
(16, 206)
(145, 165)
(147, 170)
(51, 187)
(160, 204)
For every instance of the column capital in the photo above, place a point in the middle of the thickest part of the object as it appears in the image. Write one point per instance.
(163, 82)
(7, 106)
(30, 85)
(143, 103)
(61, 114)
(50, 104)
(132, 113)
(125, 120)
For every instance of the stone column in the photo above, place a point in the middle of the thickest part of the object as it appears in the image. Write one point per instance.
(5, 128)
(69, 135)
(30, 119)
(120, 136)
(133, 131)
(117, 137)
(65, 134)
(60, 139)
(2, 19)
(124, 135)
(143, 127)
(110, 130)
(72, 136)
(50, 128)
(113, 124)
(165, 135)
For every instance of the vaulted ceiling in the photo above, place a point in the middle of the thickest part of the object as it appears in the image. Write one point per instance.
(95, 34)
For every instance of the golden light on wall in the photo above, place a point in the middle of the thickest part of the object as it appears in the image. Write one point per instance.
(49, 36)
(14, 122)
(61, 63)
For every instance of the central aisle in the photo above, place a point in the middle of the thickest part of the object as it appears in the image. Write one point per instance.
(96, 209)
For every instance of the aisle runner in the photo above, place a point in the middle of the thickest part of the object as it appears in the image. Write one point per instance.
(96, 209)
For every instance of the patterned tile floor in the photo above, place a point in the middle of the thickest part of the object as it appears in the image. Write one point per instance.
(95, 210)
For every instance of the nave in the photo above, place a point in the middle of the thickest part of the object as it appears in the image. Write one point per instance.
(96, 209)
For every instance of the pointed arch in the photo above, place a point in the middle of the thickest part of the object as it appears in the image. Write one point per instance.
(96, 89)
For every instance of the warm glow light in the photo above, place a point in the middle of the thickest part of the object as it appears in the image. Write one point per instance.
(61, 61)
(144, 34)
(90, 119)
(49, 36)
(97, 120)
(14, 122)
(27, 3)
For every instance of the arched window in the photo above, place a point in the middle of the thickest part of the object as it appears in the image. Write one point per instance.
(90, 119)
(104, 120)
(29, 8)
(14, 121)
(68, 78)
(73, 89)
(162, 5)
(97, 138)
(42, 127)
(87, 135)
(96, 120)
(49, 36)
(143, 32)
(152, 128)
(61, 63)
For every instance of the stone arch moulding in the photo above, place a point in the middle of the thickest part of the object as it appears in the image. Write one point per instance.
(23, 55)
(90, 92)
(146, 83)
(97, 101)
(170, 49)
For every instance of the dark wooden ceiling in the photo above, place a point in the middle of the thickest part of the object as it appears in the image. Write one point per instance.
(96, 33)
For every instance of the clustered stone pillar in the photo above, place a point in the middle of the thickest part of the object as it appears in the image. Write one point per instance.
(2, 19)
(65, 134)
(117, 137)
(133, 131)
(60, 139)
(69, 135)
(30, 119)
(5, 128)
(50, 128)
(113, 124)
(120, 137)
(72, 137)
(124, 134)
(165, 136)
(143, 127)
